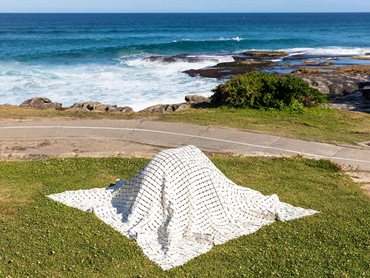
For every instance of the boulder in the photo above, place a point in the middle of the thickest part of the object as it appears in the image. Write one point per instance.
(172, 107)
(41, 103)
(168, 108)
(196, 99)
(100, 107)
(124, 109)
(159, 108)
(94, 106)
(183, 107)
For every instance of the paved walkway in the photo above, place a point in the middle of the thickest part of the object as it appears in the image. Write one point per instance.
(75, 137)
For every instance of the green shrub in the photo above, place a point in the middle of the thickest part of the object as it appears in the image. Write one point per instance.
(264, 90)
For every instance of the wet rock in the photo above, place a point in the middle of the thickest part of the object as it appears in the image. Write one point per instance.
(41, 103)
(228, 69)
(355, 69)
(178, 58)
(366, 92)
(364, 57)
(266, 54)
(364, 84)
(318, 63)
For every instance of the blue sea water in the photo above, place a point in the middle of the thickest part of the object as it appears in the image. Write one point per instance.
(77, 57)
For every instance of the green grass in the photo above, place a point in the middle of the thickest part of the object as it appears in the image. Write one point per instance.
(315, 124)
(42, 238)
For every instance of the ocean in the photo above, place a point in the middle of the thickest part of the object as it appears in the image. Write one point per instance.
(78, 57)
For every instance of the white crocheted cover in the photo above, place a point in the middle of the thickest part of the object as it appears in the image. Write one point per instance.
(179, 206)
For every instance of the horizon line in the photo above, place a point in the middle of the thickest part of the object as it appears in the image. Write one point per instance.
(127, 12)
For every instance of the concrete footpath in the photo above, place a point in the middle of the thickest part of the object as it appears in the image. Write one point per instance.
(49, 137)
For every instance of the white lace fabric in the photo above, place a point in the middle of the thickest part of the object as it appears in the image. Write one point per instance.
(179, 206)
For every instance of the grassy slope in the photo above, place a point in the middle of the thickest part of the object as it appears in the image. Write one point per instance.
(324, 125)
(316, 124)
(42, 238)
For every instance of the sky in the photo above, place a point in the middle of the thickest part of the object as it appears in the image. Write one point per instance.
(184, 6)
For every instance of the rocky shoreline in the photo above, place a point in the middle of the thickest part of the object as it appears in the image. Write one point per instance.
(345, 80)
(42, 103)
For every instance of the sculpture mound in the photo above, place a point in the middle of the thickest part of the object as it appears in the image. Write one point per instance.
(179, 206)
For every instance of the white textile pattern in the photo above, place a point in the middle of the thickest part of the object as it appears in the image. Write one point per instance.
(179, 206)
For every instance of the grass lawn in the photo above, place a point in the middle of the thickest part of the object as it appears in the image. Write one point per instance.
(315, 124)
(41, 238)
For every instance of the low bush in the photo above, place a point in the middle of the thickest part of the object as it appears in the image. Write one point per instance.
(264, 90)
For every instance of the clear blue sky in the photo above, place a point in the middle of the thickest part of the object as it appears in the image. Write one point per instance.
(184, 5)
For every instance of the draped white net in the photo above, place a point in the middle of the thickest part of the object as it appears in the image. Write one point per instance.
(179, 206)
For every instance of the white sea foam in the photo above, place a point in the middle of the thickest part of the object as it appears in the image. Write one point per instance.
(134, 82)
(327, 51)
(238, 39)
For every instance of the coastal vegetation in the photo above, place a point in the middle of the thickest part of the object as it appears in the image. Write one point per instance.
(267, 91)
(42, 238)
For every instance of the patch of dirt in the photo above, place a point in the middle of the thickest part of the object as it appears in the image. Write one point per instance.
(362, 178)
(366, 188)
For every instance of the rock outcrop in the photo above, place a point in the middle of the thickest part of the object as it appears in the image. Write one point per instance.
(365, 89)
(354, 69)
(332, 83)
(353, 102)
(266, 54)
(161, 108)
(45, 103)
(99, 107)
(41, 103)
(179, 58)
(228, 69)
(192, 101)
(196, 99)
